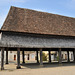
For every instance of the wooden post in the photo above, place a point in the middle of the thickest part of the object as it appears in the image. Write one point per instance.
(18, 58)
(2, 58)
(23, 57)
(60, 58)
(7, 56)
(49, 56)
(37, 56)
(41, 60)
(28, 57)
(68, 56)
(74, 55)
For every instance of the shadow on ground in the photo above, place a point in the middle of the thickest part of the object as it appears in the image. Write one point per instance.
(47, 65)
(37, 66)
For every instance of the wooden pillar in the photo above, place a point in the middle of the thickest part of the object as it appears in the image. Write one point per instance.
(23, 57)
(74, 55)
(41, 60)
(2, 58)
(49, 56)
(18, 58)
(37, 56)
(28, 57)
(60, 58)
(68, 56)
(7, 56)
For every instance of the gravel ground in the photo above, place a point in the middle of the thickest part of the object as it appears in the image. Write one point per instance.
(47, 69)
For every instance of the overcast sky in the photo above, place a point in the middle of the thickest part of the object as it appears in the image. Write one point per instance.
(61, 7)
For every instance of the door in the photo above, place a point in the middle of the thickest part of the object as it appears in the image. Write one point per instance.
(14, 57)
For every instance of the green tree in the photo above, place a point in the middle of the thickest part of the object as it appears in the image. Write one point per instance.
(44, 57)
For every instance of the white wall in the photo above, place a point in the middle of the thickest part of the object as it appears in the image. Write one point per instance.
(52, 57)
(10, 56)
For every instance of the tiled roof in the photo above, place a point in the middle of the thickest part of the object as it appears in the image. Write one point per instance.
(31, 21)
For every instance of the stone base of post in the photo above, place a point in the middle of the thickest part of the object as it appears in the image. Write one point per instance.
(23, 62)
(60, 64)
(18, 67)
(42, 65)
(2, 68)
(6, 63)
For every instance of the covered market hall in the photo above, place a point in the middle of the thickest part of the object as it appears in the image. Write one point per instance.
(30, 30)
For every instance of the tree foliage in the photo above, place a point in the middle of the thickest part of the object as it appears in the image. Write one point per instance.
(44, 57)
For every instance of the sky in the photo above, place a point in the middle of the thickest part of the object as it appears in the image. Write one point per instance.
(61, 7)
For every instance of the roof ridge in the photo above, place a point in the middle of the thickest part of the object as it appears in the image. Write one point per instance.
(44, 12)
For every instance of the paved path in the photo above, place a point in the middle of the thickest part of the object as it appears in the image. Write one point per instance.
(52, 69)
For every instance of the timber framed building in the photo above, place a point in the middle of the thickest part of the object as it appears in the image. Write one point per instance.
(29, 30)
